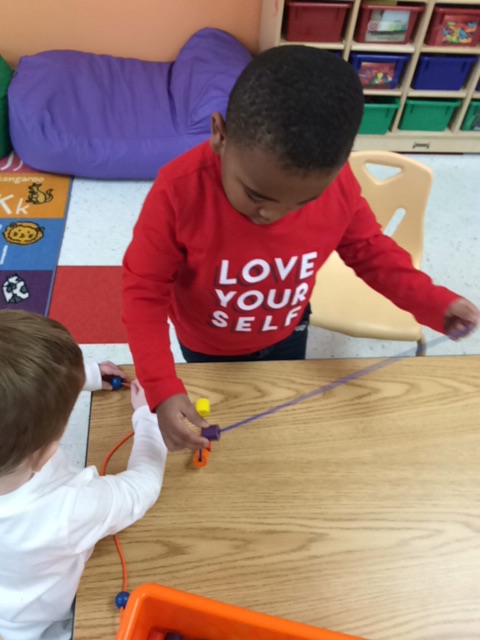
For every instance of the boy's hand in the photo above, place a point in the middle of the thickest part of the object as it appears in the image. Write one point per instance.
(461, 318)
(171, 419)
(137, 394)
(110, 369)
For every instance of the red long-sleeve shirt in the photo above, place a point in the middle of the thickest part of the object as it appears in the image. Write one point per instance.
(233, 287)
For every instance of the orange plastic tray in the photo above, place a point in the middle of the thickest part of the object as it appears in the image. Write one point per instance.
(153, 610)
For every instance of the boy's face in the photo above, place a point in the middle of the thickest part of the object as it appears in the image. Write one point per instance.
(258, 186)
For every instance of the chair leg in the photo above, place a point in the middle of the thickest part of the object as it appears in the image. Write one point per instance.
(421, 347)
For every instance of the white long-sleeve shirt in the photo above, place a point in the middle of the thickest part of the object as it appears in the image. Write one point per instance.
(50, 525)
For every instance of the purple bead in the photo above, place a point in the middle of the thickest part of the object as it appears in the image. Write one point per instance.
(173, 635)
(121, 599)
(212, 432)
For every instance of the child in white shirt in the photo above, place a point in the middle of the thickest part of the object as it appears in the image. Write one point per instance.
(52, 513)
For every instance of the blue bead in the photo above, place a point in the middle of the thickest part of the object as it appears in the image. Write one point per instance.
(116, 382)
(121, 599)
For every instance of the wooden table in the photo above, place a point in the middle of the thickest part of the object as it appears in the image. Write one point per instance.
(358, 510)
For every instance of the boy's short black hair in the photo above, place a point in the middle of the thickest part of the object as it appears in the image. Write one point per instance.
(300, 103)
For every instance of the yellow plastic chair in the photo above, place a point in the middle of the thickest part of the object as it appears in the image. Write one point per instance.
(343, 302)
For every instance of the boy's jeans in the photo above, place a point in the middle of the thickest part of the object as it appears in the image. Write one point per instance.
(292, 348)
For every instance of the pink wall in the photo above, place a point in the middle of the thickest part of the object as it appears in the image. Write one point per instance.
(145, 29)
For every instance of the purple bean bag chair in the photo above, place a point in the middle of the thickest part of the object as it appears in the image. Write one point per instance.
(98, 116)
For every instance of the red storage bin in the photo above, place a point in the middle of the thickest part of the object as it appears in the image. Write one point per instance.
(452, 26)
(315, 21)
(387, 24)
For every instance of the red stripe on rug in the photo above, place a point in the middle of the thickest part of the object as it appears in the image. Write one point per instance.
(87, 300)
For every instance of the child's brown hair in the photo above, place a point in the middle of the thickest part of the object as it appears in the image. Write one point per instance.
(41, 376)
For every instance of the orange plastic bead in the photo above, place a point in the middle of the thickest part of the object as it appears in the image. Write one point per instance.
(199, 464)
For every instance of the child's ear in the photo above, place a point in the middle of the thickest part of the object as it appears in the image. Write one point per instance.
(218, 134)
(40, 458)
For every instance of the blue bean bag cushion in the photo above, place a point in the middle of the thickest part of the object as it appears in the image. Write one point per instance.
(100, 116)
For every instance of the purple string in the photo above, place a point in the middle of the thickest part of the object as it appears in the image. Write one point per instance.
(345, 380)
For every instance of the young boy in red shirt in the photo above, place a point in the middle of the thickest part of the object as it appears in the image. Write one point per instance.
(233, 232)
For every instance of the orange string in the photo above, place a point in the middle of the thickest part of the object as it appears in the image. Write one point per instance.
(115, 537)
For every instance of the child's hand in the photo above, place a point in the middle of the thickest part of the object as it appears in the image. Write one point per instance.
(137, 395)
(461, 318)
(171, 419)
(110, 369)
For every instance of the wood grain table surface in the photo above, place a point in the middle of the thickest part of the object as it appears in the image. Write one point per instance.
(357, 510)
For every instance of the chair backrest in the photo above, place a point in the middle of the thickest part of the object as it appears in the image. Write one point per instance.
(408, 189)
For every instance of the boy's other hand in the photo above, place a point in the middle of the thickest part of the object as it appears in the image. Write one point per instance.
(137, 394)
(171, 419)
(461, 318)
(108, 368)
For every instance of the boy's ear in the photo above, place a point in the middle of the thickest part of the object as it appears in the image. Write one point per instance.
(218, 134)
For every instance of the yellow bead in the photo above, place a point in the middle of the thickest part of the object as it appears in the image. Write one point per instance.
(203, 407)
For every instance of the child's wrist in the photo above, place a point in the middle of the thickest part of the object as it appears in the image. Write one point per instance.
(93, 376)
(141, 413)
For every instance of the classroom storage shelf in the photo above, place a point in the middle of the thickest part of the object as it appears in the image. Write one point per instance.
(331, 46)
(373, 47)
(459, 136)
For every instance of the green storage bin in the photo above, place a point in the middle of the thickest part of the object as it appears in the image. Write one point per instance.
(378, 115)
(471, 122)
(428, 115)
(5, 78)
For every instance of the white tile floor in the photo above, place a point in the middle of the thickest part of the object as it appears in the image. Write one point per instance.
(101, 217)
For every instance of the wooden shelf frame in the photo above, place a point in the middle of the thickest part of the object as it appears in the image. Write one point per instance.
(453, 140)
(330, 46)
